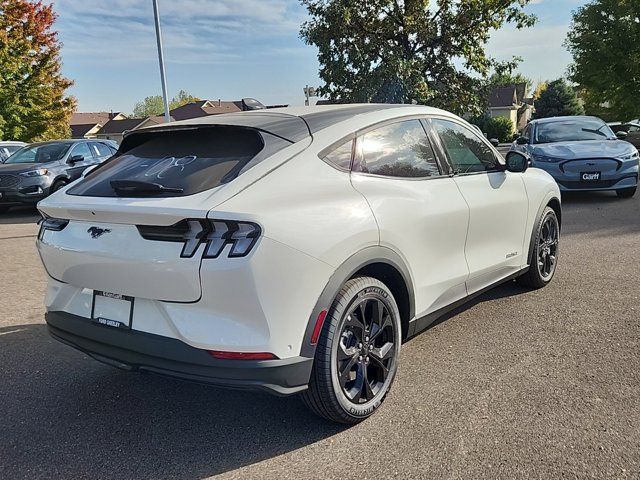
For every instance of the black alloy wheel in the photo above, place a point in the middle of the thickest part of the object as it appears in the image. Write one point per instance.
(357, 355)
(365, 351)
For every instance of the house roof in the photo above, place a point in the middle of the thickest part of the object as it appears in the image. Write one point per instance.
(203, 108)
(86, 118)
(120, 126)
(503, 97)
(81, 129)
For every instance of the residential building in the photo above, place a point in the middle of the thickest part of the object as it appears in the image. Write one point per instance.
(203, 108)
(116, 128)
(87, 124)
(511, 102)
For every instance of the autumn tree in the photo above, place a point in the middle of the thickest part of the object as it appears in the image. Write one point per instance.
(605, 43)
(399, 51)
(558, 99)
(33, 100)
(154, 105)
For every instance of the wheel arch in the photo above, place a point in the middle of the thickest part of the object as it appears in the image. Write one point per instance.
(377, 262)
(553, 202)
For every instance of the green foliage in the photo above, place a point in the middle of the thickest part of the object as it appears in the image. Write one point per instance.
(154, 105)
(505, 79)
(558, 99)
(501, 128)
(399, 51)
(33, 103)
(605, 43)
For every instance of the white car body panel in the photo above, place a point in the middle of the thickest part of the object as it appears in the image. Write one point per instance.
(499, 208)
(432, 242)
(455, 234)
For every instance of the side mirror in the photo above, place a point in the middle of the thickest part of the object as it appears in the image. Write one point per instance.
(517, 162)
(621, 134)
(495, 142)
(75, 159)
(522, 140)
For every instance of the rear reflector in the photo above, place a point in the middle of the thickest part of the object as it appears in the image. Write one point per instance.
(242, 355)
(318, 327)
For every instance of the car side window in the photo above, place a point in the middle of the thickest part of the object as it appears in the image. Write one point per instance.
(400, 149)
(82, 149)
(101, 150)
(341, 156)
(527, 132)
(464, 149)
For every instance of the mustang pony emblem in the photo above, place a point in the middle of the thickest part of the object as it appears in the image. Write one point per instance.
(97, 231)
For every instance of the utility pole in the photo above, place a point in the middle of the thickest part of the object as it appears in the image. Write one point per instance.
(163, 78)
(308, 92)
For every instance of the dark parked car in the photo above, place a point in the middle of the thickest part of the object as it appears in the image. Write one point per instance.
(35, 171)
(631, 132)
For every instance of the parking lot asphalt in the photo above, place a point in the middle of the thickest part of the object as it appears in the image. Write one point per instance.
(517, 384)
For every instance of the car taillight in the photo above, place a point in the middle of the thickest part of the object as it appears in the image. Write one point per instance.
(55, 224)
(214, 234)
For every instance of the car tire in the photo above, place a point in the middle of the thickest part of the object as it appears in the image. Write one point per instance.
(367, 357)
(544, 257)
(57, 185)
(626, 192)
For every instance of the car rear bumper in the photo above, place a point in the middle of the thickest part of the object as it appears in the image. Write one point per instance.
(135, 350)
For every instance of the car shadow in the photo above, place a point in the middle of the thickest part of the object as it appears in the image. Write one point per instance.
(20, 215)
(65, 415)
(508, 289)
(589, 198)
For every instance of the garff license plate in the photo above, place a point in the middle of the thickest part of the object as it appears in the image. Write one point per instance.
(590, 176)
(112, 309)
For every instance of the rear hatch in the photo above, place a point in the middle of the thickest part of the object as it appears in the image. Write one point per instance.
(95, 236)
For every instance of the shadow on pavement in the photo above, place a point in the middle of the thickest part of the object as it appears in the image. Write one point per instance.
(509, 289)
(65, 415)
(19, 215)
(602, 213)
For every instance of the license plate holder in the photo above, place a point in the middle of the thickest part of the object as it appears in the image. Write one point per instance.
(590, 176)
(112, 309)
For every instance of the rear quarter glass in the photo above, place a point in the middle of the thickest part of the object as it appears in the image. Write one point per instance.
(187, 161)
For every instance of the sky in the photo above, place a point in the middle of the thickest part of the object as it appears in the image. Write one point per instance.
(230, 49)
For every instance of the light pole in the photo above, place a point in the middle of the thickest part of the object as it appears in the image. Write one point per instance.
(163, 78)
(308, 92)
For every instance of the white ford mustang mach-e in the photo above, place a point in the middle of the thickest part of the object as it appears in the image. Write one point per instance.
(291, 250)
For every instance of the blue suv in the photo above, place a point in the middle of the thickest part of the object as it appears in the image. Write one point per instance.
(581, 153)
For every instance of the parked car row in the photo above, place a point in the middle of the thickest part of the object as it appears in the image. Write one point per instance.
(31, 172)
(583, 153)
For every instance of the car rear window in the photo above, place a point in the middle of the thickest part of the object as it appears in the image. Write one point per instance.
(178, 162)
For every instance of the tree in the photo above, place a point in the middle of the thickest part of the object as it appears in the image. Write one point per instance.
(154, 105)
(33, 102)
(505, 79)
(541, 87)
(558, 99)
(501, 128)
(408, 50)
(605, 43)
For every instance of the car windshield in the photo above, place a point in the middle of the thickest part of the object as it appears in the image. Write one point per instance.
(573, 130)
(46, 152)
(7, 150)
